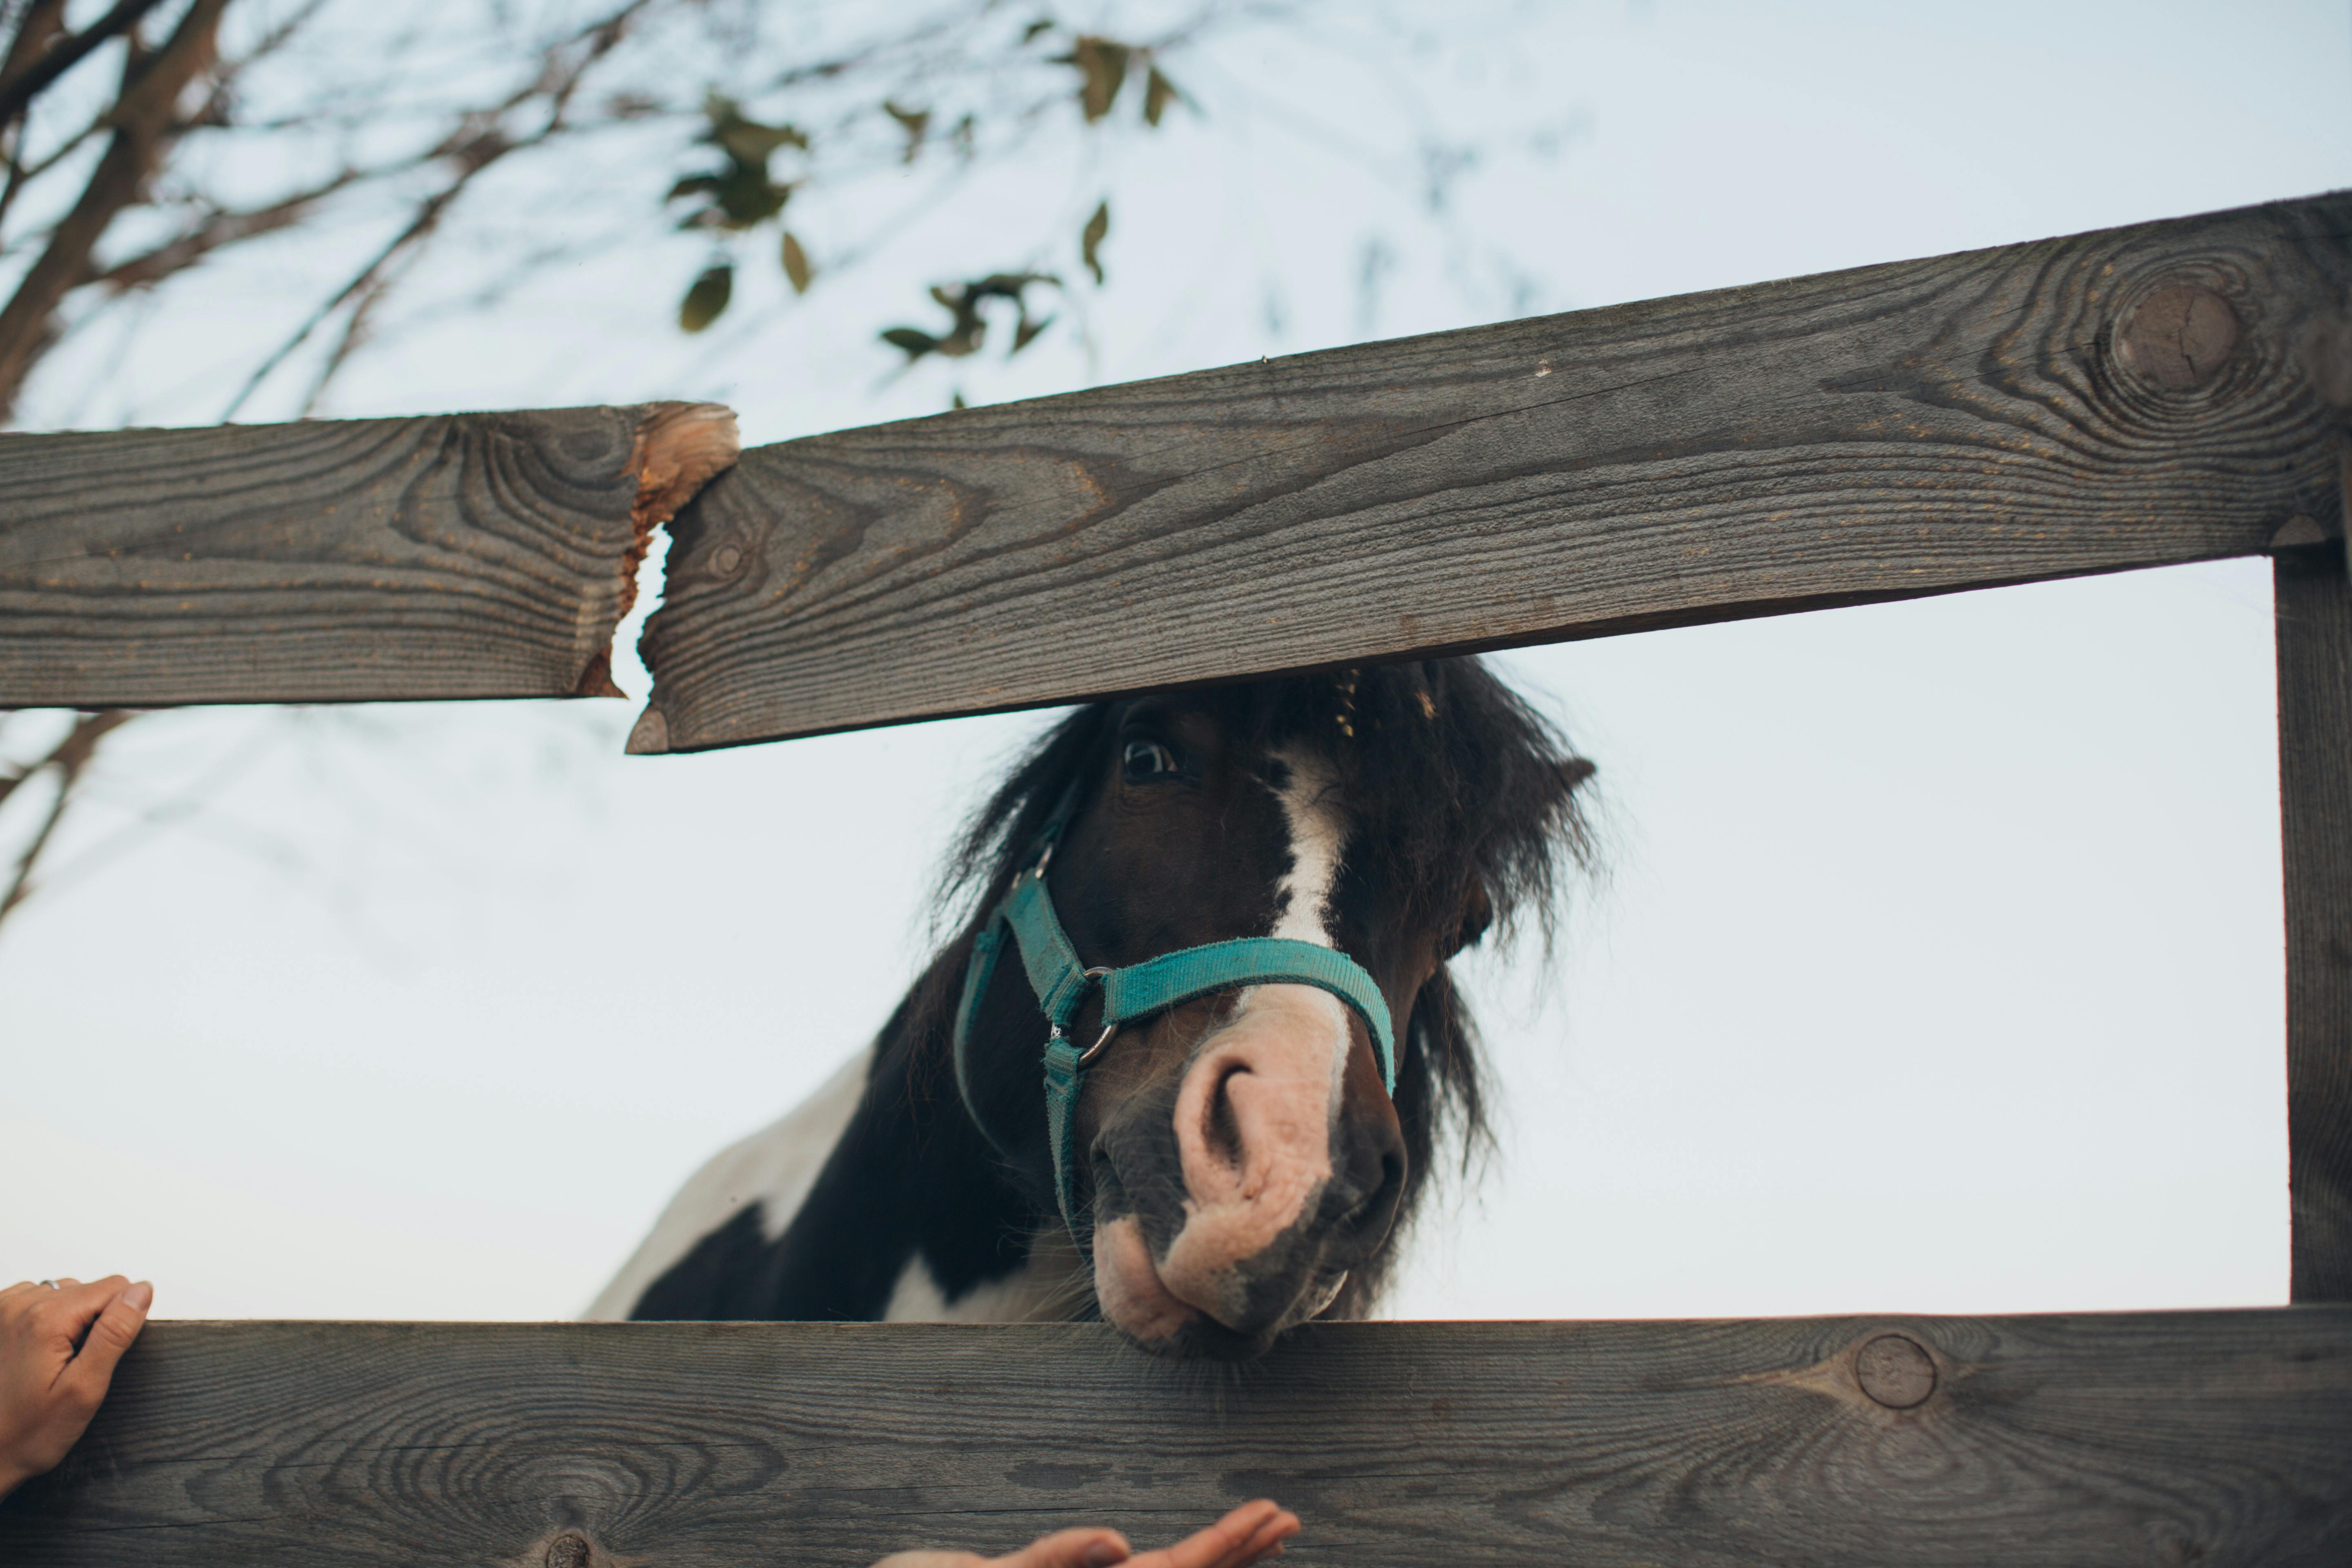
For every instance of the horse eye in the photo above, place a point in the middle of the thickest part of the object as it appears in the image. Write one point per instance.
(1145, 760)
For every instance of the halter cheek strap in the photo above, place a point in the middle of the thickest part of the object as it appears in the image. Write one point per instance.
(1061, 982)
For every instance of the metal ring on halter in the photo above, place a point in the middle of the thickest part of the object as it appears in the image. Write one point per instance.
(1091, 1052)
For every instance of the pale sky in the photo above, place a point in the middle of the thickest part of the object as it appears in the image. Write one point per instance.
(1937, 963)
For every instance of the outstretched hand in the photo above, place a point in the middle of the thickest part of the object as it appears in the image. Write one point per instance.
(1251, 1533)
(58, 1351)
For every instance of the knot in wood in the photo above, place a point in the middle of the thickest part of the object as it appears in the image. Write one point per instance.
(2177, 337)
(1895, 1371)
(569, 1550)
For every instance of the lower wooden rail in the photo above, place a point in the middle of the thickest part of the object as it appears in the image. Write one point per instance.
(2207, 1438)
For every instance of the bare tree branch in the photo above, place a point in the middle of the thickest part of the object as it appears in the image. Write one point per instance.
(68, 758)
(479, 140)
(44, 20)
(356, 327)
(23, 83)
(420, 226)
(217, 228)
(213, 111)
(144, 122)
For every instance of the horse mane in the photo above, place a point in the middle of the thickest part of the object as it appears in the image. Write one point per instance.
(1456, 785)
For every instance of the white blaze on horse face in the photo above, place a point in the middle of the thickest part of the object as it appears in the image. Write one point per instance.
(1319, 832)
(1255, 1114)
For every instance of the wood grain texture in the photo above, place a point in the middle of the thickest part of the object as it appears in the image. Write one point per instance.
(455, 555)
(2172, 1437)
(1884, 433)
(2314, 697)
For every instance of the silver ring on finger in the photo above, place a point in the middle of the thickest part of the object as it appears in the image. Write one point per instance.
(52, 1284)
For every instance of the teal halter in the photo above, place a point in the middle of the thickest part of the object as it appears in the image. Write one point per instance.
(1062, 981)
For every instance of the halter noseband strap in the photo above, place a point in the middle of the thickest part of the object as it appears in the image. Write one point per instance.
(1062, 981)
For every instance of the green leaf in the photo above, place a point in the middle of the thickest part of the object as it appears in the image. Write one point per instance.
(1159, 92)
(1103, 65)
(797, 264)
(748, 141)
(744, 139)
(708, 298)
(917, 344)
(956, 401)
(1008, 285)
(1090, 242)
(749, 198)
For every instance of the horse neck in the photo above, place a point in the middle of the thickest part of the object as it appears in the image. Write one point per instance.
(962, 1239)
(889, 1206)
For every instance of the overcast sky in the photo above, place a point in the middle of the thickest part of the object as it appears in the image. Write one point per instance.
(1936, 965)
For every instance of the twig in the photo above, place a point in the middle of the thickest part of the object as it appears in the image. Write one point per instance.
(27, 84)
(478, 142)
(16, 171)
(218, 228)
(427, 217)
(184, 807)
(354, 333)
(68, 757)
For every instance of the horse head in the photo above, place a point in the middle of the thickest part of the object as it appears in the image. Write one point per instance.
(1237, 1163)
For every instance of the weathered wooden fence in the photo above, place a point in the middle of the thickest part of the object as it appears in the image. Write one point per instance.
(2141, 396)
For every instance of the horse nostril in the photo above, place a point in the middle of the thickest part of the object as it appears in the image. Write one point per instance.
(1223, 1127)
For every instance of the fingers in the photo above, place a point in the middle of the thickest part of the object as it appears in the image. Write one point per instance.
(74, 1306)
(117, 1323)
(59, 1349)
(1252, 1532)
(1070, 1549)
(1268, 1541)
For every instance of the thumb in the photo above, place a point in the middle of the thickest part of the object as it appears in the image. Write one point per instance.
(1070, 1549)
(116, 1327)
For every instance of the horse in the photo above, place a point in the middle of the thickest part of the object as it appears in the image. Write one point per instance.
(1222, 1162)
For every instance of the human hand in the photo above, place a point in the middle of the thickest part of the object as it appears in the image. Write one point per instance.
(1251, 1533)
(58, 1351)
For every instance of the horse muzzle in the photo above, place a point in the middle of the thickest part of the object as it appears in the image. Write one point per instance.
(1234, 1206)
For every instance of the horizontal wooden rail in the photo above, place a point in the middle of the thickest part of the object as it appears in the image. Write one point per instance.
(2165, 393)
(454, 555)
(2140, 396)
(2162, 1437)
